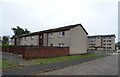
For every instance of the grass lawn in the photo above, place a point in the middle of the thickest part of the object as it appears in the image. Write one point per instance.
(53, 59)
(4, 63)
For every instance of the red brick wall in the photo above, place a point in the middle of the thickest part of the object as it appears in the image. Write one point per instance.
(29, 52)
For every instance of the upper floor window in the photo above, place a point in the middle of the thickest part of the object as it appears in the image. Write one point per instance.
(32, 37)
(109, 37)
(109, 40)
(98, 37)
(61, 33)
(109, 44)
(50, 34)
(40, 36)
(103, 37)
(104, 40)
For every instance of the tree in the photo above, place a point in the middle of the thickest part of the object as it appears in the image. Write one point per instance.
(20, 31)
(5, 40)
(26, 31)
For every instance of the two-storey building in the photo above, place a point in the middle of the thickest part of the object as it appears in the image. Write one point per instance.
(73, 36)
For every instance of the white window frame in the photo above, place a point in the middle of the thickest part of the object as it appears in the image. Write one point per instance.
(50, 34)
(61, 34)
(61, 44)
(32, 37)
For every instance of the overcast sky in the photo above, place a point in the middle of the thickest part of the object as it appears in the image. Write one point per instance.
(97, 16)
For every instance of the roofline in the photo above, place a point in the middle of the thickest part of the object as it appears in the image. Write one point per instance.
(64, 28)
(102, 35)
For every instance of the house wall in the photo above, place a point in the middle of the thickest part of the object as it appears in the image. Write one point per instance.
(107, 43)
(98, 41)
(91, 42)
(30, 40)
(56, 39)
(78, 40)
(104, 40)
(45, 39)
(113, 43)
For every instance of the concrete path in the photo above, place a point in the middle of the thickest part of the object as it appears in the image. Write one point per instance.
(44, 67)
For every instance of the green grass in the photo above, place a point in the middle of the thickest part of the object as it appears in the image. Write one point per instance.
(4, 62)
(53, 59)
(5, 45)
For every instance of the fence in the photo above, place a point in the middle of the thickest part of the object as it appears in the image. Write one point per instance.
(29, 52)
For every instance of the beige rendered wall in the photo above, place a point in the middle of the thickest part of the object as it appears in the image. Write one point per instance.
(29, 41)
(113, 43)
(78, 41)
(56, 39)
(98, 41)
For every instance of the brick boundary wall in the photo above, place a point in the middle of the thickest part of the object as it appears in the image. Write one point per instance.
(30, 52)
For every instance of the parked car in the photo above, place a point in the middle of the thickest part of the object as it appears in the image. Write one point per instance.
(118, 51)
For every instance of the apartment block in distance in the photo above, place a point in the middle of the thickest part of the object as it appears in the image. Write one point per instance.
(72, 36)
(102, 42)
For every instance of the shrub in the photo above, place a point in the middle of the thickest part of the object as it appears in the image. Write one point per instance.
(5, 45)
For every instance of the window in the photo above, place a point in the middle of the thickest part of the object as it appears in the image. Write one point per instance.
(109, 47)
(104, 44)
(40, 36)
(51, 45)
(104, 40)
(109, 40)
(109, 37)
(61, 33)
(98, 37)
(109, 44)
(61, 44)
(25, 38)
(51, 35)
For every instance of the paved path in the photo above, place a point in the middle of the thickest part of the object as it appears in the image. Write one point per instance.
(102, 66)
(44, 67)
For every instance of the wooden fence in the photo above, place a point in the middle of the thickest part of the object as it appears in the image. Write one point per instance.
(30, 52)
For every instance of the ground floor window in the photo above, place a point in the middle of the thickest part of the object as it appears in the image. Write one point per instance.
(61, 44)
(51, 45)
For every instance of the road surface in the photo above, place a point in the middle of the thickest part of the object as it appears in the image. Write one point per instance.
(102, 66)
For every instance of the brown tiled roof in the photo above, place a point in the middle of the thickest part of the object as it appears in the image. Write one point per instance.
(53, 30)
(101, 35)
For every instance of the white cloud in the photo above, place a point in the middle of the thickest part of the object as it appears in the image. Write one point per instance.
(95, 15)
